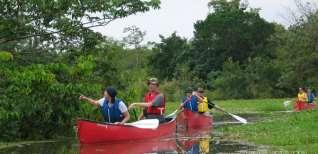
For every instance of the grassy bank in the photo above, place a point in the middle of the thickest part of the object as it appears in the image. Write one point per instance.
(289, 131)
(254, 105)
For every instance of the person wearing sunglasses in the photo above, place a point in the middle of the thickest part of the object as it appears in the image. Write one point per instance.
(154, 104)
(203, 103)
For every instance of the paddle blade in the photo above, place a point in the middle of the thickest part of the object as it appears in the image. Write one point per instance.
(146, 123)
(242, 120)
(286, 103)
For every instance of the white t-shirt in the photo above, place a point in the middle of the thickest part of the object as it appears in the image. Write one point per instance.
(122, 107)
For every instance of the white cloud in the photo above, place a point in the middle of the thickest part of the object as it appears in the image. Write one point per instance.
(180, 15)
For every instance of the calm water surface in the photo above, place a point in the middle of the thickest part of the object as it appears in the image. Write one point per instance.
(194, 142)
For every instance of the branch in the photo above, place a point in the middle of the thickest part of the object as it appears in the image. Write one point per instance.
(55, 32)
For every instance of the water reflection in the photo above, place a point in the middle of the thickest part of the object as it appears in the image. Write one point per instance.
(186, 140)
(198, 142)
(131, 147)
(195, 146)
(201, 143)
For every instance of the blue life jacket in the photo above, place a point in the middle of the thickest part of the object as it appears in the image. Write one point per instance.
(195, 149)
(191, 104)
(311, 97)
(112, 114)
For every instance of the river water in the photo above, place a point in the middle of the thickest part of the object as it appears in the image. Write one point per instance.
(207, 141)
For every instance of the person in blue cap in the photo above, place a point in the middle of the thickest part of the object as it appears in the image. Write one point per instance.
(114, 110)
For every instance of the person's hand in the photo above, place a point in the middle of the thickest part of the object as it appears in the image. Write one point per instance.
(181, 106)
(131, 106)
(82, 97)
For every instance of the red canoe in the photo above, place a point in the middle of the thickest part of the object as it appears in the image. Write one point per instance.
(300, 106)
(182, 144)
(190, 122)
(168, 145)
(195, 120)
(95, 132)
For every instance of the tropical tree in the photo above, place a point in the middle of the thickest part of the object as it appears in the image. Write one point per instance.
(60, 24)
(231, 30)
(298, 56)
(167, 55)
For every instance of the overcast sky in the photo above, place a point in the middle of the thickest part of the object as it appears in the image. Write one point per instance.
(180, 15)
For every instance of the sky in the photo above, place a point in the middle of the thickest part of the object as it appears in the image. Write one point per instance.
(180, 15)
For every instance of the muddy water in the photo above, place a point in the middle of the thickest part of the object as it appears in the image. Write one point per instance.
(195, 142)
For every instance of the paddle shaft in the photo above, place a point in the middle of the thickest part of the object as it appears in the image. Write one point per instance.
(232, 115)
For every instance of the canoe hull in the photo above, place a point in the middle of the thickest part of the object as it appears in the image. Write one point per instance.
(92, 132)
(300, 106)
(189, 122)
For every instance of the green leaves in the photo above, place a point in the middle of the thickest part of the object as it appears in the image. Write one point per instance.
(5, 56)
(61, 23)
(230, 31)
(167, 55)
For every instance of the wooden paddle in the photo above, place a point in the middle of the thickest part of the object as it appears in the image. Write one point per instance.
(240, 119)
(172, 114)
(145, 123)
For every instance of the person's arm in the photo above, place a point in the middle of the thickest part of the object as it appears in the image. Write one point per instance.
(200, 99)
(91, 101)
(141, 116)
(126, 118)
(140, 104)
(156, 102)
(197, 97)
(123, 109)
(182, 104)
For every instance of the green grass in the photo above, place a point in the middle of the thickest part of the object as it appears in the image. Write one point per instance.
(171, 106)
(290, 131)
(244, 106)
(256, 105)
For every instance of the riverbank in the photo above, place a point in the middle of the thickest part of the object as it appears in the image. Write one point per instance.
(270, 124)
(291, 131)
(22, 143)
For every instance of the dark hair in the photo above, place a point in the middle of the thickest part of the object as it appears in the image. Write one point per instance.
(111, 91)
(188, 90)
(200, 89)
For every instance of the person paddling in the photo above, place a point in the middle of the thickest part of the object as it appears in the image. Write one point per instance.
(302, 99)
(114, 110)
(202, 100)
(302, 95)
(189, 101)
(154, 102)
(311, 96)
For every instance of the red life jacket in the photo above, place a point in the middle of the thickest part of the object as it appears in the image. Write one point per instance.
(159, 110)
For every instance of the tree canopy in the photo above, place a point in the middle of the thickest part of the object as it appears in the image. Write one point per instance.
(61, 24)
